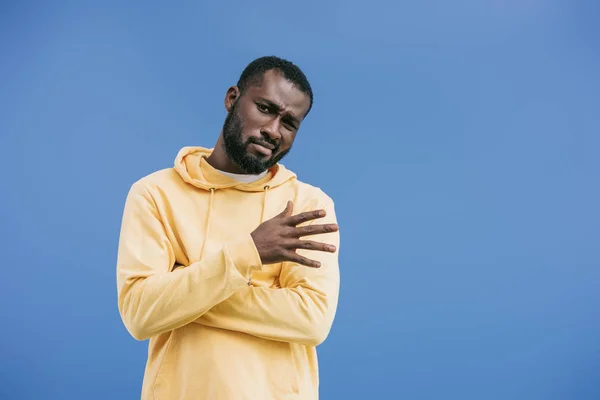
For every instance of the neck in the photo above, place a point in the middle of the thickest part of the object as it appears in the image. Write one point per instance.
(218, 159)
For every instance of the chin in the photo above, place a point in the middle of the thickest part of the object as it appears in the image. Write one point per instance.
(252, 164)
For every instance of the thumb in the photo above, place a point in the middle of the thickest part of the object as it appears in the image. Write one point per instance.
(288, 209)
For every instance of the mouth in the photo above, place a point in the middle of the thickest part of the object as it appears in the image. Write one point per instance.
(263, 148)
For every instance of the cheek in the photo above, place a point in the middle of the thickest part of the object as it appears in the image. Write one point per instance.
(246, 130)
(287, 140)
(250, 127)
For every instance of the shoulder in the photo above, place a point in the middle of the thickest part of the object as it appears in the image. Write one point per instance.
(311, 196)
(161, 179)
(160, 183)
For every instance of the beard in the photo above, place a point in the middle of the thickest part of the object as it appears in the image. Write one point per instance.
(237, 149)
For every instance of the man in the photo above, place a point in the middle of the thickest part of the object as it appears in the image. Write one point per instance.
(227, 262)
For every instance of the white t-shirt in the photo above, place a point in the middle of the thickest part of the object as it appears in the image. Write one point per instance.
(245, 178)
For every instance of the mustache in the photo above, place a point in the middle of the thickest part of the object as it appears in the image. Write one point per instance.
(265, 140)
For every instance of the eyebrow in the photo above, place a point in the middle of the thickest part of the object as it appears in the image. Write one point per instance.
(278, 107)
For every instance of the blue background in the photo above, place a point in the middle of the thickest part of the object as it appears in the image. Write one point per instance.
(459, 139)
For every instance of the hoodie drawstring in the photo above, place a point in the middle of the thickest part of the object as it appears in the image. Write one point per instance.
(264, 206)
(209, 214)
(207, 226)
(262, 217)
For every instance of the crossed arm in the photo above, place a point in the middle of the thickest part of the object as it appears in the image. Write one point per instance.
(302, 311)
(214, 290)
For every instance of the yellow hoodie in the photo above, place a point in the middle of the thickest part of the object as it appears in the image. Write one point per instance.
(222, 325)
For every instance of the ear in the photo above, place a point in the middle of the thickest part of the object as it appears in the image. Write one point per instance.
(233, 93)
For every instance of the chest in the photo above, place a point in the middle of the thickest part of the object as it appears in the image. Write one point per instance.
(199, 224)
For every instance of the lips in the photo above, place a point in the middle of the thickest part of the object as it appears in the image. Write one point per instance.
(263, 147)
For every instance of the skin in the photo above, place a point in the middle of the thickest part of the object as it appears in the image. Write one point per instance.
(270, 113)
(278, 239)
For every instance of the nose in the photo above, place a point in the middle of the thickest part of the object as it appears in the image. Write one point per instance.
(272, 129)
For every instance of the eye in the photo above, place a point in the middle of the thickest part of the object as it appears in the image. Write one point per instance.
(262, 108)
(289, 125)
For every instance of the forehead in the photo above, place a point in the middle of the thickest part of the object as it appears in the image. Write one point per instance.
(275, 88)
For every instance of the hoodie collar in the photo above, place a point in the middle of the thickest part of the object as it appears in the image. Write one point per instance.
(193, 168)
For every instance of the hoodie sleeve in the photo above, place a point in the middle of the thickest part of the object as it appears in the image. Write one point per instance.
(302, 311)
(151, 299)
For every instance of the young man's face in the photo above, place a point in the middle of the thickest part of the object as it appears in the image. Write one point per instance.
(261, 125)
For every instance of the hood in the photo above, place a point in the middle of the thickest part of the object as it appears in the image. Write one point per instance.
(193, 168)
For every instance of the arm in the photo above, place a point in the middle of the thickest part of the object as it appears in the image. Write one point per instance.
(302, 311)
(151, 299)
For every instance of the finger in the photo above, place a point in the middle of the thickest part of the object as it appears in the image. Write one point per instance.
(312, 245)
(306, 216)
(288, 209)
(298, 259)
(315, 229)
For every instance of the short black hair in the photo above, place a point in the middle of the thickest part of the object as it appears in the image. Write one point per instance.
(254, 72)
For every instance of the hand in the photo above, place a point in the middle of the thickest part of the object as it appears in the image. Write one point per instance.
(278, 238)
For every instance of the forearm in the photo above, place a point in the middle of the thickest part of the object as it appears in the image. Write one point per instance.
(150, 305)
(302, 311)
(299, 314)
